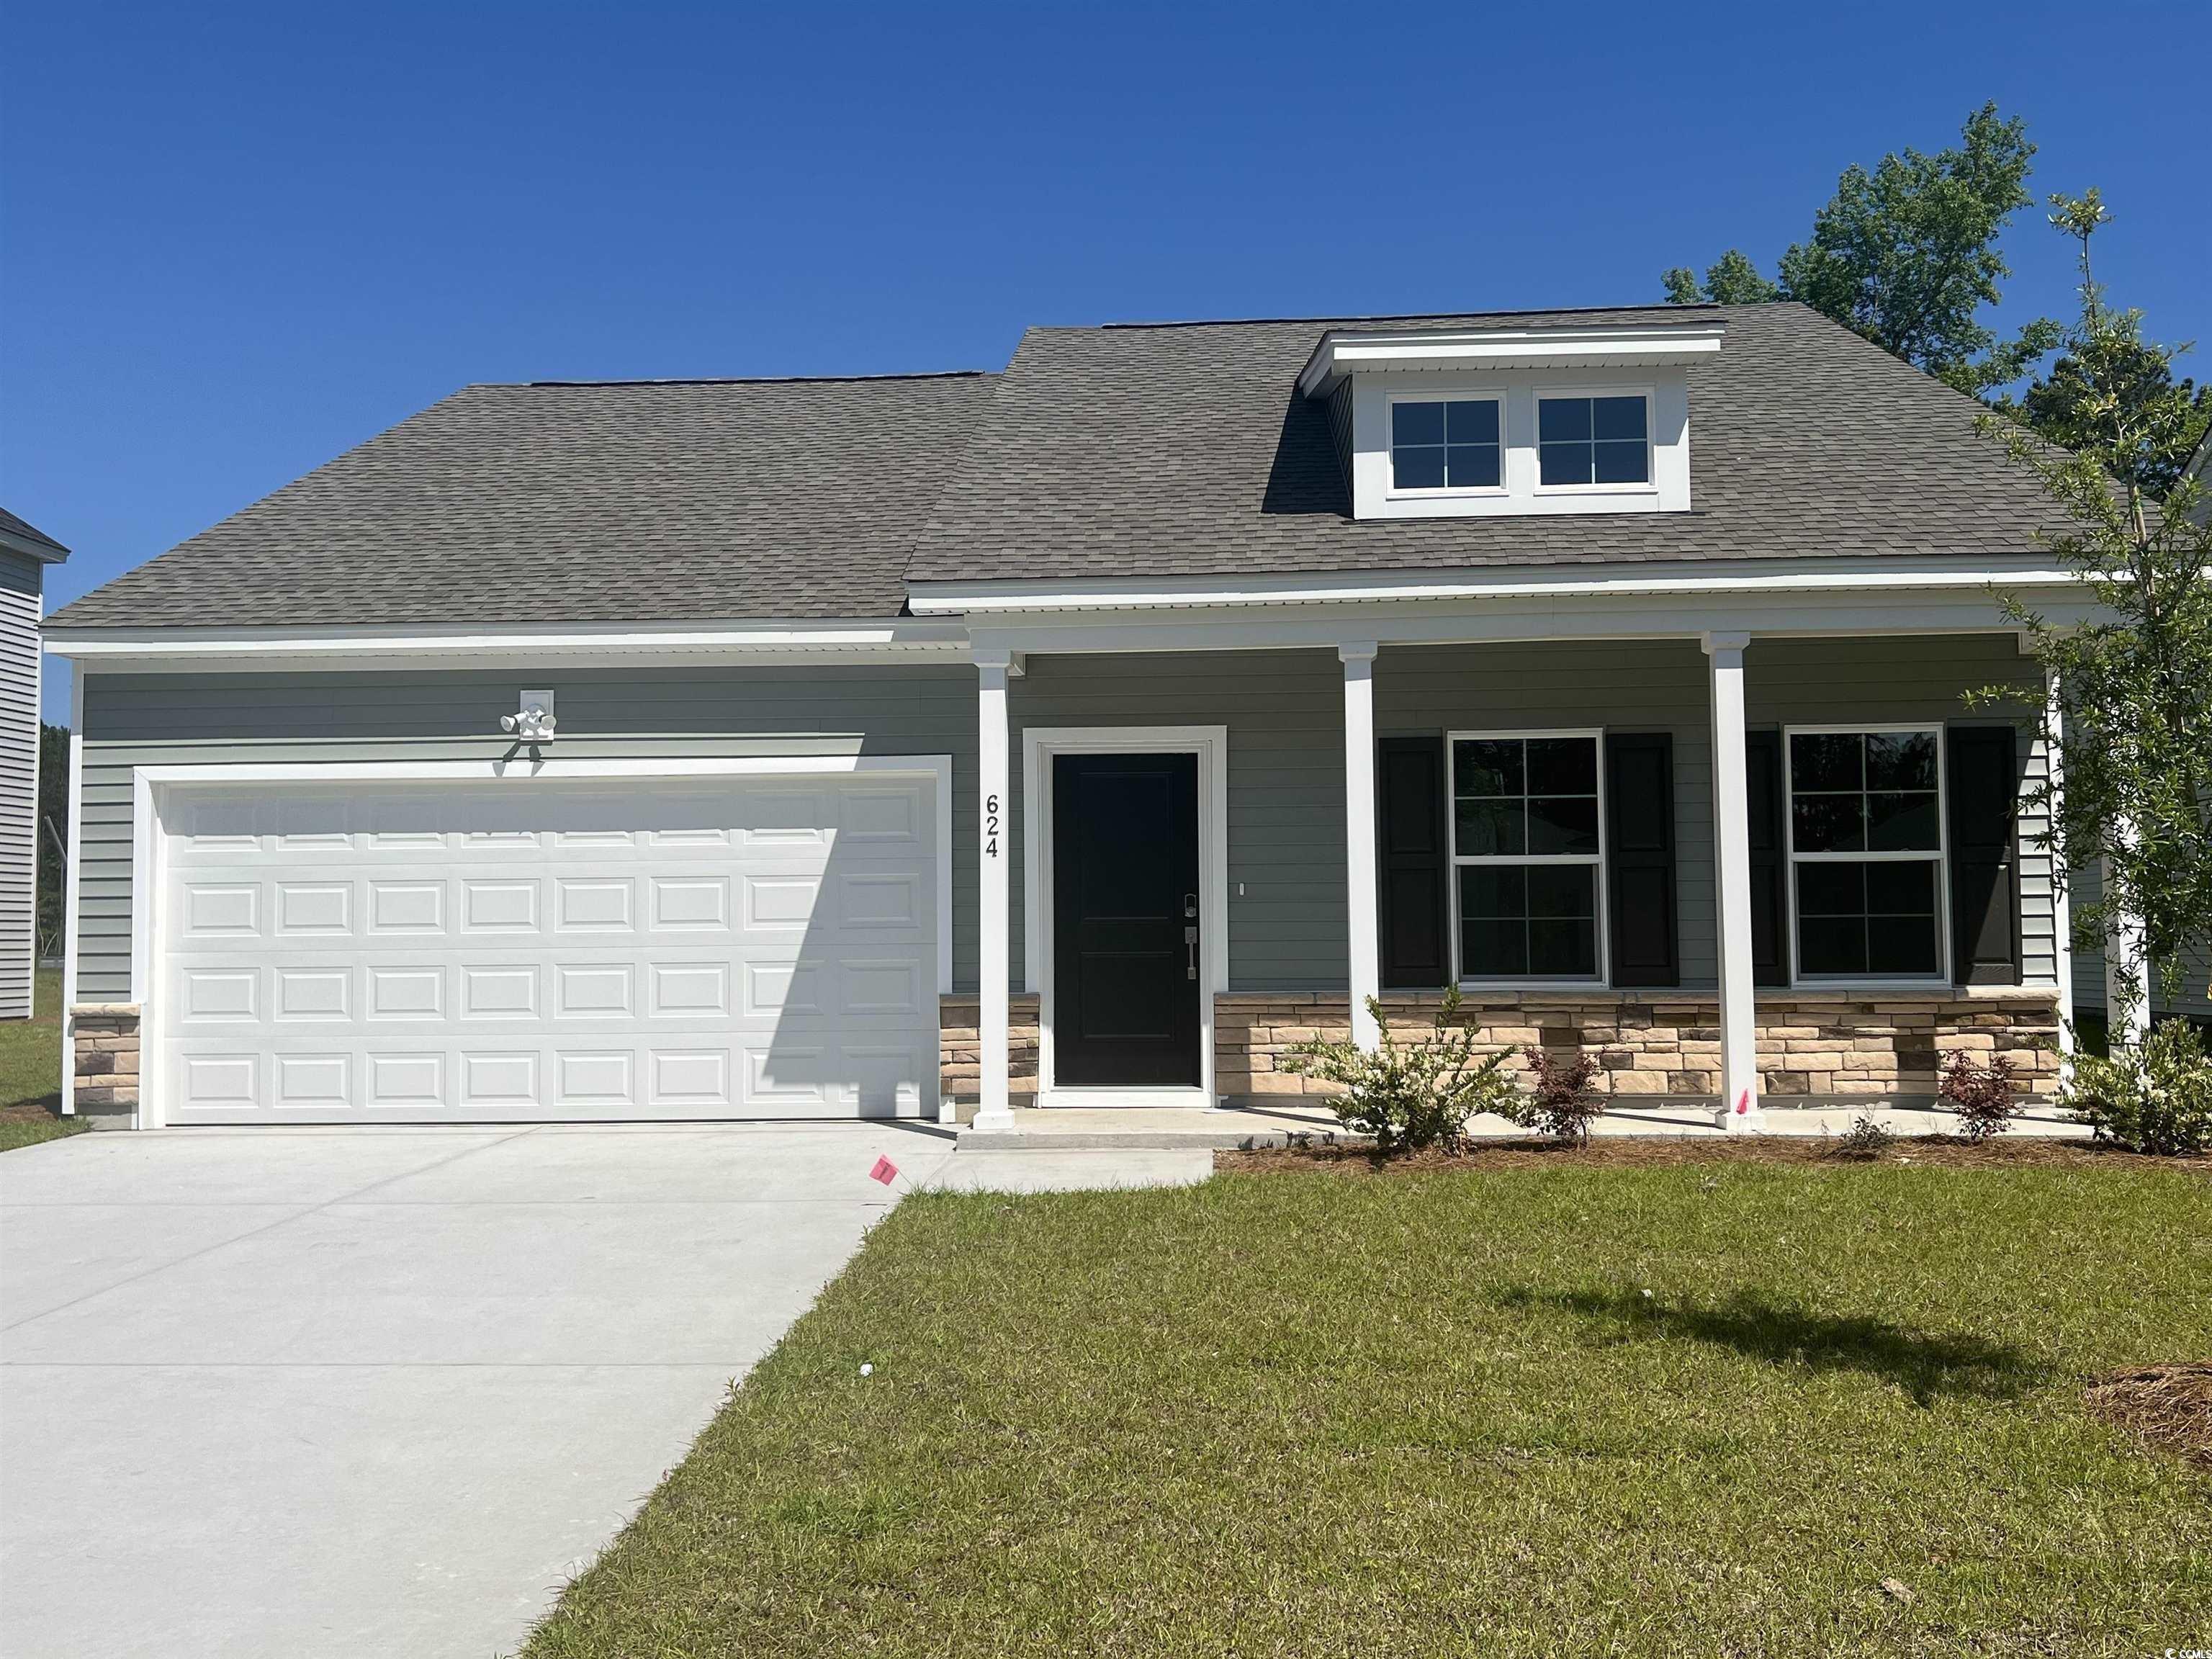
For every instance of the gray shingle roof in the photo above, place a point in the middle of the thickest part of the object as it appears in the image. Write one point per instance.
(1184, 450)
(29, 538)
(1172, 449)
(643, 501)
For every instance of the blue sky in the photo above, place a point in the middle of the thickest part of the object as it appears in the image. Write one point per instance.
(241, 239)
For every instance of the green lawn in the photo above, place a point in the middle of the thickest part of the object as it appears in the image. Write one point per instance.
(1696, 1409)
(31, 1072)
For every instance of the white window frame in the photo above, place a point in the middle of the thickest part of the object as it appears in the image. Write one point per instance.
(1650, 486)
(1941, 856)
(1603, 977)
(1495, 398)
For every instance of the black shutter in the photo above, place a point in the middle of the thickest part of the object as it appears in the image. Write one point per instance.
(1416, 864)
(1639, 856)
(1985, 792)
(1770, 890)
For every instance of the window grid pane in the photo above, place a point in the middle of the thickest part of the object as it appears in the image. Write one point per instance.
(1867, 793)
(1438, 445)
(1593, 440)
(1519, 803)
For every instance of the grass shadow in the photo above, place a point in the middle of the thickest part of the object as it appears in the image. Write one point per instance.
(1922, 1363)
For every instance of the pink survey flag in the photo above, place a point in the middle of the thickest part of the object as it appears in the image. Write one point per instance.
(885, 1171)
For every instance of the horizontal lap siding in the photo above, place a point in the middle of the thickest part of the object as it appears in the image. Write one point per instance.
(1894, 681)
(19, 770)
(1284, 713)
(1658, 686)
(176, 720)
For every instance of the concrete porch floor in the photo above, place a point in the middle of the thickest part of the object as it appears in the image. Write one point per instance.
(1234, 1127)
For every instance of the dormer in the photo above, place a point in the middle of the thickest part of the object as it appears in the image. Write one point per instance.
(1496, 422)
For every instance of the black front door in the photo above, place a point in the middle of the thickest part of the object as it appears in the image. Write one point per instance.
(1125, 945)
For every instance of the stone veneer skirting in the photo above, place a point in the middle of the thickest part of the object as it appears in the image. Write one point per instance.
(107, 1063)
(1818, 1045)
(1824, 1045)
(960, 1049)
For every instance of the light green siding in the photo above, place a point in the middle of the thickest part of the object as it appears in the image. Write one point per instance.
(150, 720)
(1282, 709)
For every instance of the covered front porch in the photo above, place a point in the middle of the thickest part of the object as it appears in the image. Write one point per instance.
(1745, 868)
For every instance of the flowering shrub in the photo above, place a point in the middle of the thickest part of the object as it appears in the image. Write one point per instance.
(2151, 1096)
(1410, 1096)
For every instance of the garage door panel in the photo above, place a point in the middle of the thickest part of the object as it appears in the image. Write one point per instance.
(747, 947)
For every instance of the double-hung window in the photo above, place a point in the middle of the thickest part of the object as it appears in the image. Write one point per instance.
(1527, 847)
(1866, 852)
(1447, 444)
(1593, 440)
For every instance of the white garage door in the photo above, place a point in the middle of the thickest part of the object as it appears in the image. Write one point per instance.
(755, 947)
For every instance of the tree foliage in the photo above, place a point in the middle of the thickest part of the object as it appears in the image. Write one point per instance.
(1906, 256)
(2136, 680)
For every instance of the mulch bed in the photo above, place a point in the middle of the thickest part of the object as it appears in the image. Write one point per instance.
(1647, 1151)
(2166, 1406)
(28, 1111)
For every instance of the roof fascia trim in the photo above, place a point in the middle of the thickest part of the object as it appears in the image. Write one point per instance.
(45, 552)
(902, 639)
(1840, 575)
(1634, 345)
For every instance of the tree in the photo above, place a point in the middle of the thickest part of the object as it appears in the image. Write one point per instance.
(1906, 256)
(1730, 279)
(2056, 405)
(2135, 682)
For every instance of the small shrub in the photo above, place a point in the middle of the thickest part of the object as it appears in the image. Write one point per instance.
(1865, 1140)
(1561, 1102)
(1410, 1096)
(1983, 1095)
(2151, 1096)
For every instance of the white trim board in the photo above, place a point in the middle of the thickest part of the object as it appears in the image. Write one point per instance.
(1837, 574)
(149, 784)
(1211, 744)
(478, 644)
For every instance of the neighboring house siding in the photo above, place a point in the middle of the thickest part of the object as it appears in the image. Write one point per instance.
(2089, 968)
(20, 580)
(148, 719)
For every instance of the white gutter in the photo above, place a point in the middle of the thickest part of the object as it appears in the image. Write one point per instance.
(1776, 577)
(890, 639)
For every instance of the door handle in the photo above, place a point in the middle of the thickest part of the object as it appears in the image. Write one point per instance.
(1190, 944)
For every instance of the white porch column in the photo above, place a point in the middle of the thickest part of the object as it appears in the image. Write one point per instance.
(1362, 904)
(992, 820)
(2127, 970)
(1739, 1109)
(2062, 907)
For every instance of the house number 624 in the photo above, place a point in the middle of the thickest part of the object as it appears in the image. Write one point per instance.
(990, 826)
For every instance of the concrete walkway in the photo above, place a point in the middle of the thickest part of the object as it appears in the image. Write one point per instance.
(381, 1391)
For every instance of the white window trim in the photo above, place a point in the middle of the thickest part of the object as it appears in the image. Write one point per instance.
(151, 787)
(1448, 493)
(1941, 857)
(1039, 745)
(1603, 978)
(1564, 393)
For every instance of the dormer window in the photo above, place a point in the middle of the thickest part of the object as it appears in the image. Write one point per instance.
(1583, 441)
(1513, 422)
(1438, 444)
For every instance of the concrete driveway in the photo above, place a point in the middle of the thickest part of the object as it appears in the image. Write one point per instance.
(323, 1393)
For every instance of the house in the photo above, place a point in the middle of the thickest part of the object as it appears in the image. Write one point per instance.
(1084, 732)
(25, 553)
